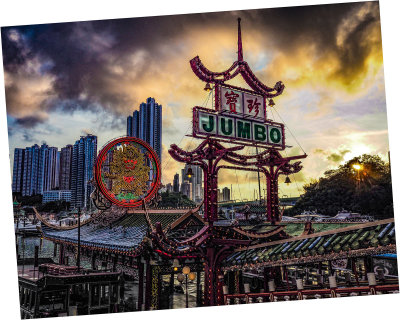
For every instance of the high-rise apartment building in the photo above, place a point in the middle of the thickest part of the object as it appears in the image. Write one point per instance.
(65, 167)
(18, 170)
(146, 124)
(219, 195)
(38, 167)
(169, 187)
(84, 153)
(30, 184)
(47, 177)
(226, 194)
(132, 126)
(175, 187)
(196, 186)
(186, 189)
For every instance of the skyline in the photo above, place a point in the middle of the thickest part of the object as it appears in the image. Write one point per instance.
(342, 72)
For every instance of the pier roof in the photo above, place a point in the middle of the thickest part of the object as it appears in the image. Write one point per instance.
(126, 235)
(353, 241)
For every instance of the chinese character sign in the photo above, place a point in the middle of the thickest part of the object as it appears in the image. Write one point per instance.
(253, 106)
(231, 101)
(241, 104)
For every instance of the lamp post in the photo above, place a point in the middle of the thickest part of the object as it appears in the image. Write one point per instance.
(78, 258)
(184, 276)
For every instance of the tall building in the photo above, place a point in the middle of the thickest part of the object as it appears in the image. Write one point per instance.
(226, 194)
(35, 169)
(169, 187)
(132, 126)
(146, 124)
(65, 167)
(51, 178)
(30, 184)
(57, 171)
(196, 186)
(176, 183)
(186, 189)
(18, 170)
(219, 195)
(84, 154)
(47, 178)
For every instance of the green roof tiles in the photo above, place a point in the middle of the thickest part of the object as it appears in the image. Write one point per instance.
(364, 236)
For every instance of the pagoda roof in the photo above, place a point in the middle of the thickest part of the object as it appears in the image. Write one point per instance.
(358, 240)
(125, 235)
(238, 67)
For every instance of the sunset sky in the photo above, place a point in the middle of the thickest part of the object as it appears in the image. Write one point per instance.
(64, 80)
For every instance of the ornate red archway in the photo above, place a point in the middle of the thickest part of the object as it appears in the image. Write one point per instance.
(213, 243)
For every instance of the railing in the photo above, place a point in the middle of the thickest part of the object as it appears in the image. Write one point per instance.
(245, 298)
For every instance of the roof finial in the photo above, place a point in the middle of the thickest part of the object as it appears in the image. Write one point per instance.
(240, 49)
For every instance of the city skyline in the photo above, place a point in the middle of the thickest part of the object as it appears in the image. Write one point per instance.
(339, 96)
(37, 170)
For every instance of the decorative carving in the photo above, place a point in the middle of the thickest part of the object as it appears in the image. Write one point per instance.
(99, 201)
(127, 172)
(155, 275)
(107, 217)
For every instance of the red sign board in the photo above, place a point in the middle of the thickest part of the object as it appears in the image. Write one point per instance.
(240, 102)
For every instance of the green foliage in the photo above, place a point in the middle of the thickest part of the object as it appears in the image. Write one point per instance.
(367, 191)
(34, 200)
(175, 199)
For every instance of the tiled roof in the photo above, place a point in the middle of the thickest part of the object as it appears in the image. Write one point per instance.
(347, 241)
(124, 235)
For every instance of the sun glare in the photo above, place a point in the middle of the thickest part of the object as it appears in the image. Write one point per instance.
(357, 150)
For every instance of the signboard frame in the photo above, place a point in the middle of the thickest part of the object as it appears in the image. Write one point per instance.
(218, 98)
(151, 193)
(223, 138)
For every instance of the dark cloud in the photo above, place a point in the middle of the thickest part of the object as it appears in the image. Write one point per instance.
(319, 151)
(14, 51)
(27, 137)
(337, 157)
(29, 122)
(85, 61)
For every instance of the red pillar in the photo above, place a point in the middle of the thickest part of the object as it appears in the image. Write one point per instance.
(210, 192)
(272, 195)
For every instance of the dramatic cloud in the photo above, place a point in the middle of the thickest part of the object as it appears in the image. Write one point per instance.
(335, 157)
(114, 64)
(91, 75)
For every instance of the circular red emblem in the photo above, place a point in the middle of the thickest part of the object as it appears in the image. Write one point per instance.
(127, 172)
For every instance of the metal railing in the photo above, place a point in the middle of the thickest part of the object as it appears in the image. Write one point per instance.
(245, 298)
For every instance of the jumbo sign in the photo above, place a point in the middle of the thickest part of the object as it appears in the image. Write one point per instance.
(249, 132)
(240, 116)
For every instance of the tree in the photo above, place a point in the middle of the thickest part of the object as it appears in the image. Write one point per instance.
(174, 200)
(362, 185)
